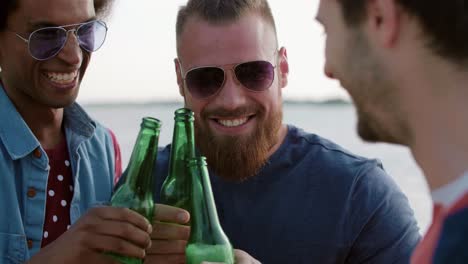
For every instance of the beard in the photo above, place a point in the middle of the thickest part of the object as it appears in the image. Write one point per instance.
(380, 117)
(237, 158)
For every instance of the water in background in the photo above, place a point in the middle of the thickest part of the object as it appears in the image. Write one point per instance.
(336, 122)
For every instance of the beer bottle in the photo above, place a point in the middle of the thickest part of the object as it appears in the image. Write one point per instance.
(136, 192)
(207, 240)
(175, 190)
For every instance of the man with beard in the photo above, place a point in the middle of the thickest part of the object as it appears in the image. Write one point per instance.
(283, 195)
(56, 163)
(405, 64)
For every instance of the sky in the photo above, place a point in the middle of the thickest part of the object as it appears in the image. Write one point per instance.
(136, 62)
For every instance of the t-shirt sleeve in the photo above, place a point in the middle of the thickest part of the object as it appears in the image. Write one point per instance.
(118, 158)
(386, 229)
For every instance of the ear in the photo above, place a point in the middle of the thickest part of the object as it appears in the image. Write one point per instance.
(283, 67)
(384, 21)
(180, 80)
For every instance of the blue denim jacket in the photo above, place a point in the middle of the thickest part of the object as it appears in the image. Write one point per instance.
(24, 171)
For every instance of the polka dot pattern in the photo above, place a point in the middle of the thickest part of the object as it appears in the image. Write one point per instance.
(60, 194)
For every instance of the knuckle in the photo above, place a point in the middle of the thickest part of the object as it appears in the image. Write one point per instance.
(184, 232)
(95, 211)
(120, 246)
(126, 213)
(148, 242)
(81, 239)
(126, 231)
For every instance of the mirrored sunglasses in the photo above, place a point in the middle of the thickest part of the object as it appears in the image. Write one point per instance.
(203, 82)
(47, 42)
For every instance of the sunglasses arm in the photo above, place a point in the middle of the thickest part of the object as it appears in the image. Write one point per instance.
(23, 39)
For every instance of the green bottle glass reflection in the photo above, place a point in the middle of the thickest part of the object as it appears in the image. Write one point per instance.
(175, 190)
(207, 240)
(136, 192)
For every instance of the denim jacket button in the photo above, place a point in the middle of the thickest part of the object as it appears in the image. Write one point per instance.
(30, 243)
(37, 153)
(31, 192)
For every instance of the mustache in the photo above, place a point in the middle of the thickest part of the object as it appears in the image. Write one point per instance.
(239, 111)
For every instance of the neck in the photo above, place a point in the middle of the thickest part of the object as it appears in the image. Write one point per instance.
(46, 125)
(45, 122)
(439, 123)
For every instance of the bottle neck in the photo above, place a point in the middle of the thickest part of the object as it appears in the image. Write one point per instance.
(183, 147)
(205, 226)
(140, 168)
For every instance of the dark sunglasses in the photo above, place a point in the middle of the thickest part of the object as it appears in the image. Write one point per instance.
(203, 82)
(47, 42)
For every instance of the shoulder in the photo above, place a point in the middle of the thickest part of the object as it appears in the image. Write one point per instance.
(320, 161)
(320, 153)
(102, 131)
(89, 136)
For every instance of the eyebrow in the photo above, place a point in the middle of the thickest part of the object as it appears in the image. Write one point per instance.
(41, 24)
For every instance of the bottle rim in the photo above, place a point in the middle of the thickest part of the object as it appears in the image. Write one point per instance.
(151, 122)
(183, 114)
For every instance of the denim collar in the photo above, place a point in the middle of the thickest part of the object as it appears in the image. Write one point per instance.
(18, 138)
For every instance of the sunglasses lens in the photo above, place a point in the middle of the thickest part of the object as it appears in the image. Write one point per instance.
(91, 35)
(46, 43)
(204, 82)
(255, 75)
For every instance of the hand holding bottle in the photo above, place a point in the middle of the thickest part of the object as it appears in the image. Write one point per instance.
(101, 229)
(169, 236)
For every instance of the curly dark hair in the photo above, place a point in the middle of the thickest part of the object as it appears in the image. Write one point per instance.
(444, 22)
(102, 8)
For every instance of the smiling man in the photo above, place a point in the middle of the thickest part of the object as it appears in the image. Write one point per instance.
(283, 195)
(405, 64)
(56, 163)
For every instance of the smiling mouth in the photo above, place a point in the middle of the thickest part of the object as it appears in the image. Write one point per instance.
(233, 122)
(62, 78)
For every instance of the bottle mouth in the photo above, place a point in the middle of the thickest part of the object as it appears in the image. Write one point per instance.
(151, 122)
(182, 114)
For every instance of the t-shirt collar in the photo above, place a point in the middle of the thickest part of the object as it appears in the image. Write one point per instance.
(450, 193)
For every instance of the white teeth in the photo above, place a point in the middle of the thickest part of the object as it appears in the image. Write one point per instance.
(233, 122)
(62, 78)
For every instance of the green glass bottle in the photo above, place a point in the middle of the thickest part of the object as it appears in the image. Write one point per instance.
(136, 192)
(175, 190)
(207, 240)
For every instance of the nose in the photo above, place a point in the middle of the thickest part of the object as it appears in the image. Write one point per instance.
(71, 52)
(232, 94)
(328, 71)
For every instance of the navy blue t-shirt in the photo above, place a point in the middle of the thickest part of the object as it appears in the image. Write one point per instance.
(314, 202)
(452, 246)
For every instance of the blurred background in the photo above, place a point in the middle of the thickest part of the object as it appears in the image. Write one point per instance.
(133, 76)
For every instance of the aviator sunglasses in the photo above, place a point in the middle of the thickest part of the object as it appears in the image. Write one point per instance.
(45, 43)
(203, 82)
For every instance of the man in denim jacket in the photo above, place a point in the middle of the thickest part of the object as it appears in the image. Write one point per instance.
(56, 163)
